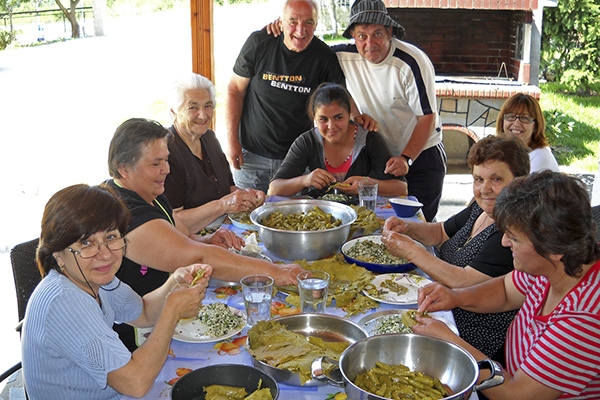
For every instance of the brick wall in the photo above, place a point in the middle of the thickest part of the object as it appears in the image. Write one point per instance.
(464, 41)
(471, 4)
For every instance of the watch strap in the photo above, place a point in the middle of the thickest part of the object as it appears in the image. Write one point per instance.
(408, 159)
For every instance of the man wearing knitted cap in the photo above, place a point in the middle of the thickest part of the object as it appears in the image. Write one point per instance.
(394, 82)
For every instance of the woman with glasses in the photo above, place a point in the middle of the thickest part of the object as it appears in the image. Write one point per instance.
(521, 117)
(70, 350)
(159, 244)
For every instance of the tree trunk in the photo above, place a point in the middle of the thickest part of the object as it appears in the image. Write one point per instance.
(71, 15)
(333, 16)
(10, 19)
(99, 15)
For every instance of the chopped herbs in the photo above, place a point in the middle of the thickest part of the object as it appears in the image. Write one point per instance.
(372, 252)
(391, 324)
(218, 319)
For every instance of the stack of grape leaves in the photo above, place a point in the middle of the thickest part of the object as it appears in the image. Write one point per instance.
(272, 343)
(345, 285)
(367, 222)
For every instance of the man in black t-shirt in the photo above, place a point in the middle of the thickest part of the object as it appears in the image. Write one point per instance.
(268, 93)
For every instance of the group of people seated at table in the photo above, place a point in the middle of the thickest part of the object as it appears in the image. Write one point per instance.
(113, 253)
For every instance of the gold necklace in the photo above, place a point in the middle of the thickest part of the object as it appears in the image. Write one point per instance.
(476, 230)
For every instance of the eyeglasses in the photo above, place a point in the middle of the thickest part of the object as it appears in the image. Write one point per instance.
(92, 250)
(526, 119)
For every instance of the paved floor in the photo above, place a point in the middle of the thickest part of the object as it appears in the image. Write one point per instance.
(60, 104)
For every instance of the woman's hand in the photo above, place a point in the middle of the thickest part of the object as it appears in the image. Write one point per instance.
(223, 237)
(242, 200)
(288, 274)
(187, 275)
(432, 327)
(186, 297)
(395, 224)
(400, 245)
(319, 179)
(185, 301)
(436, 297)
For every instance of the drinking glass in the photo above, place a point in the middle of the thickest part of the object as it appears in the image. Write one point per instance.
(313, 286)
(367, 194)
(257, 290)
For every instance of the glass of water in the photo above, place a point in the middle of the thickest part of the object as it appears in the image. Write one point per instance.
(367, 194)
(257, 290)
(313, 286)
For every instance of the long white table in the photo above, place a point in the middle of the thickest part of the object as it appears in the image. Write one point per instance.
(191, 356)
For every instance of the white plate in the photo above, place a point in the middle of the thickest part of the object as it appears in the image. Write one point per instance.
(216, 223)
(410, 281)
(191, 330)
(242, 225)
(370, 322)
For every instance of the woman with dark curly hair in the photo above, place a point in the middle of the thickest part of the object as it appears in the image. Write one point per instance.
(470, 248)
(553, 344)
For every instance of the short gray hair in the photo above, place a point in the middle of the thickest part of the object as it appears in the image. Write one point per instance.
(129, 140)
(313, 3)
(187, 82)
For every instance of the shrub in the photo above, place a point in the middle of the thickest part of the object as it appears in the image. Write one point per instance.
(570, 50)
(5, 39)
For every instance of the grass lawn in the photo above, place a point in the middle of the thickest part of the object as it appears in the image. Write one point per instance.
(573, 126)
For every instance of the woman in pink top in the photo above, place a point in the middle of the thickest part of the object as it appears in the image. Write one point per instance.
(553, 344)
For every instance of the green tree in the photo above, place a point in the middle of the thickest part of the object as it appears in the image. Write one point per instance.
(571, 44)
(9, 6)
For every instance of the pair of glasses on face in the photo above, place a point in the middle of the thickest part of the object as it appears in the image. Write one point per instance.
(92, 250)
(526, 119)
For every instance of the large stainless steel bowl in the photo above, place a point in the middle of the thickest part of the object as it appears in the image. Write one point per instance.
(308, 245)
(451, 364)
(327, 327)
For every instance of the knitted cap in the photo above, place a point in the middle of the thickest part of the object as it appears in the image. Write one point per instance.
(372, 12)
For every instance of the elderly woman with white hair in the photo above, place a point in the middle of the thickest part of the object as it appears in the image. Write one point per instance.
(200, 185)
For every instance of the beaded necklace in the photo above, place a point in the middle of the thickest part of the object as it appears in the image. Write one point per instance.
(347, 158)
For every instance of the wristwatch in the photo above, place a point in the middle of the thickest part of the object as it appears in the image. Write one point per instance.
(408, 159)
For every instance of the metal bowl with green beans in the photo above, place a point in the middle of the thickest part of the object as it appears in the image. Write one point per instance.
(303, 229)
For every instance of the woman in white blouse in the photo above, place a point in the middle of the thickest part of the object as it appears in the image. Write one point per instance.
(521, 117)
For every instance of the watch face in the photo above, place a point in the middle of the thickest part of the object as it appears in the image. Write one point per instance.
(408, 160)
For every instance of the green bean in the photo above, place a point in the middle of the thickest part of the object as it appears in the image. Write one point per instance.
(398, 382)
(313, 220)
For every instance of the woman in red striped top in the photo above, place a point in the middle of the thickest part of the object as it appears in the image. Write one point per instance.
(553, 344)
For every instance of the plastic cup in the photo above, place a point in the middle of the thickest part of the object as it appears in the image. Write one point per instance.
(313, 287)
(257, 290)
(367, 194)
